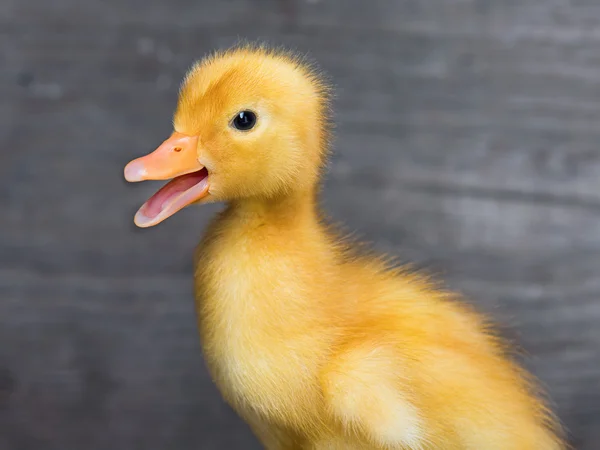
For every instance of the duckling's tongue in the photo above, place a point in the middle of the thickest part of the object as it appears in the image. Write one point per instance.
(173, 196)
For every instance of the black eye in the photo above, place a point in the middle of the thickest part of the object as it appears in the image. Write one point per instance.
(244, 120)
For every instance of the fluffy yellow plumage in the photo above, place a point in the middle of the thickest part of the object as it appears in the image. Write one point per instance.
(315, 344)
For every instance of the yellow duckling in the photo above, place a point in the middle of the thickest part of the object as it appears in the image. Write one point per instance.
(315, 345)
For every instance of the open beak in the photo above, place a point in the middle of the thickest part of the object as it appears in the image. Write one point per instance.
(176, 158)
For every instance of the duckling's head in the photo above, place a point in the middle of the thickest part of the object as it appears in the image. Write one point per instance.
(251, 123)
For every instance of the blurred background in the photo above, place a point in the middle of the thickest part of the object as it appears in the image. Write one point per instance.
(467, 142)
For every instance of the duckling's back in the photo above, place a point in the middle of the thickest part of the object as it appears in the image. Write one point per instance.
(418, 369)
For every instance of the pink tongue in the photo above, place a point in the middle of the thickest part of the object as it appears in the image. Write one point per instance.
(170, 191)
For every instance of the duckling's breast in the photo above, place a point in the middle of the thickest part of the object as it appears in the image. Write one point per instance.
(263, 343)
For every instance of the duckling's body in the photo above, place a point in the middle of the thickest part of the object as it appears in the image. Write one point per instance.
(318, 349)
(315, 345)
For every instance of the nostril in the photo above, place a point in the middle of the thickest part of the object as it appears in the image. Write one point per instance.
(177, 149)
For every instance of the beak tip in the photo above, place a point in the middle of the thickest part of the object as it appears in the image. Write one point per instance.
(141, 221)
(134, 171)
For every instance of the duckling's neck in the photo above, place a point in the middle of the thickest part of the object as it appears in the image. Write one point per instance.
(285, 212)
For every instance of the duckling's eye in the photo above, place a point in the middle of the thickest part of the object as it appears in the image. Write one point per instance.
(244, 120)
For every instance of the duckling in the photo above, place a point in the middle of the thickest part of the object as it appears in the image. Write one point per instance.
(314, 342)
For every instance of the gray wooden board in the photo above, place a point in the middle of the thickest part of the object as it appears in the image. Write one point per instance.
(467, 143)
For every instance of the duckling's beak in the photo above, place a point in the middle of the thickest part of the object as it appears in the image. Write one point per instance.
(175, 158)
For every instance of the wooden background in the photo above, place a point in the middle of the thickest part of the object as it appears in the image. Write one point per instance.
(468, 142)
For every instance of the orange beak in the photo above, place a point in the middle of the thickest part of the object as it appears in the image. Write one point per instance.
(176, 158)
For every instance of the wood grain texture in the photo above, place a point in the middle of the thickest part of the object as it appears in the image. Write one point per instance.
(467, 143)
